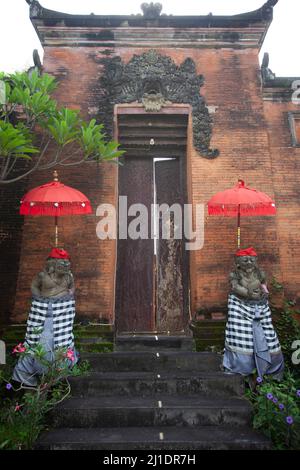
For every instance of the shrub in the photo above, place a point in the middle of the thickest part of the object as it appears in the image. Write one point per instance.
(288, 330)
(22, 415)
(277, 410)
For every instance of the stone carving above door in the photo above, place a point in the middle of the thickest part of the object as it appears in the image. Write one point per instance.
(155, 81)
(151, 10)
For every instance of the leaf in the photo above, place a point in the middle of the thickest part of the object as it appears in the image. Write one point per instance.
(14, 142)
(4, 444)
(29, 99)
(34, 82)
(64, 127)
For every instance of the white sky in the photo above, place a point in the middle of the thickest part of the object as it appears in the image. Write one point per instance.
(18, 37)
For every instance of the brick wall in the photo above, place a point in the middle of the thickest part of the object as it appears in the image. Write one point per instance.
(11, 224)
(92, 259)
(285, 161)
(240, 132)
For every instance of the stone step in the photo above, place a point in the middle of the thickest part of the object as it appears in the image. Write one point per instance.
(208, 323)
(93, 328)
(94, 337)
(91, 340)
(154, 438)
(94, 347)
(209, 328)
(148, 383)
(204, 344)
(150, 411)
(153, 343)
(210, 334)
(151, 361)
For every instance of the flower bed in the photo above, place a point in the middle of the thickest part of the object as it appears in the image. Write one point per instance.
(23, 409)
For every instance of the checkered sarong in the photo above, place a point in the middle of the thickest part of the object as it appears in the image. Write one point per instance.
(63, 312)
(243, 317)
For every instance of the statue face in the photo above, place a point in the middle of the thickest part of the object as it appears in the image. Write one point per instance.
(62, 266)
(59, 266)
(246, 263)
(50, 266)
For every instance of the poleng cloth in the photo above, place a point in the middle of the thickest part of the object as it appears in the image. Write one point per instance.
(63, 312)
(249, 328)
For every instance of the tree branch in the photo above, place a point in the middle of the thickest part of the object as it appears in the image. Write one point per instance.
(12, 166)
(72, 163)
(4, 172)
(18, 178)
(53, 163)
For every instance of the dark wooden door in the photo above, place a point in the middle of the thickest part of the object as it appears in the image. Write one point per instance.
(134, 282)
(152, 283)
(170, 258)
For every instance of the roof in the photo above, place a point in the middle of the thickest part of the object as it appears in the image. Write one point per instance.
(244, 30)
(277, 88)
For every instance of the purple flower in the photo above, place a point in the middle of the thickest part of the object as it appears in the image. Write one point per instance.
(281, 406)
(8, 386)
(269, 396)
(259, 380)
(298, 393)
(289, 420)
(275, 400)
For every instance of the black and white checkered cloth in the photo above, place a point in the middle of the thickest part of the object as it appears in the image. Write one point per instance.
(240, 325)
(63, 312)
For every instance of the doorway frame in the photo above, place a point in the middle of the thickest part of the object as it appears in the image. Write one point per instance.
(137, 108)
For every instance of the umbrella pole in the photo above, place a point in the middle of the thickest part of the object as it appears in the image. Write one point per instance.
(239, 228)
(56, 231)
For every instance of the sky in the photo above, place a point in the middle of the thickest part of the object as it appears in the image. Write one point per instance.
(18, 37)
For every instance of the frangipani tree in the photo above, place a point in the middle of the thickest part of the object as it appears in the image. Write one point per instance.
(37, 134)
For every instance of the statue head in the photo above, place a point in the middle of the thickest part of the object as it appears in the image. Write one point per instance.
(151, 10)
(247, 280)
(246, 260)
(58, 262)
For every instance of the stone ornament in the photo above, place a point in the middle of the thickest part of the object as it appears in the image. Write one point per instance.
(151, 10)
(155, 81)
(248, 281)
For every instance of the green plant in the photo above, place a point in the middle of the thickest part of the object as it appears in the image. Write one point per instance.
(288, 330)
(276, 404)
(103, 347)
(23, 414)
(286, 324)
(33, 128)
(276, 286)
(277, 410)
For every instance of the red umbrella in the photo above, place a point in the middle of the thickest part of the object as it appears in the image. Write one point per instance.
(241, 201)
(55, 199)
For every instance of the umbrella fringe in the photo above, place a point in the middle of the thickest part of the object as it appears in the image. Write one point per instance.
(48, 209)
(232, 210)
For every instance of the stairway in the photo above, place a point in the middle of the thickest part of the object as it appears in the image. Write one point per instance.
(153, 393)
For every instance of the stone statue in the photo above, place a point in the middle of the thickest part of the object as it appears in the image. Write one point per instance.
(247, 280)
(51, 317)
(151, 10)
(251, 342)
(55, 281)
(266, 72)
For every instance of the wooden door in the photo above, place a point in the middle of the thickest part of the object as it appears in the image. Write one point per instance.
(151, 277)
(134, 282)
(170, 258)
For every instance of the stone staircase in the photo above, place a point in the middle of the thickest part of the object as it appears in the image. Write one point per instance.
(153, 393)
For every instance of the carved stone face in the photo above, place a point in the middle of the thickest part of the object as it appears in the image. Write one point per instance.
(124, 83)
(59, 266)
(62, 266)
(246, 263)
